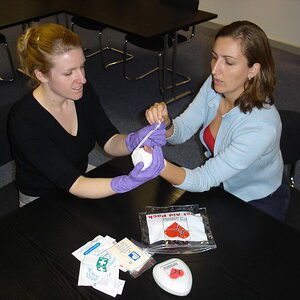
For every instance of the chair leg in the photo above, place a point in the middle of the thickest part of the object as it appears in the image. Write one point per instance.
(126, 56)
(101, 51)
(85, 50)
(159, 68)
(100, 47)
(24, 27)
(185, 78)
(174, 73)
(57, 19)
(95, 52)
(162, 74)
(125, 66)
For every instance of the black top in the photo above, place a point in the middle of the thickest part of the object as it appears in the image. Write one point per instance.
(48, 157)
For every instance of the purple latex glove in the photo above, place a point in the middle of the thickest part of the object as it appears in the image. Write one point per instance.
(136, 177)
(157, 138)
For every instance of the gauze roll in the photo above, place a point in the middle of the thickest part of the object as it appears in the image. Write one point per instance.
(140, 155)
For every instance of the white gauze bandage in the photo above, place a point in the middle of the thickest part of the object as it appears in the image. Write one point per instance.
(140, 155)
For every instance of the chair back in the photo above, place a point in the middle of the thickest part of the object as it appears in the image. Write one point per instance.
(290, 136)
(290, 149)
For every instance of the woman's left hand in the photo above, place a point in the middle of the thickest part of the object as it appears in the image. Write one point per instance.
(157, 138)
(138, 176)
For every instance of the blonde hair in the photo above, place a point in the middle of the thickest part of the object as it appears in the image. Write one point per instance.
(39, 44)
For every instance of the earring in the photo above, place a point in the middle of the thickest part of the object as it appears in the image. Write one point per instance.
(249, 77)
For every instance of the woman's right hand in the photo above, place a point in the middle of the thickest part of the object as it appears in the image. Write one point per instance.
(137, 176)
(158, 112)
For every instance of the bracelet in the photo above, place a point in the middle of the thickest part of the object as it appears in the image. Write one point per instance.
(170, 124)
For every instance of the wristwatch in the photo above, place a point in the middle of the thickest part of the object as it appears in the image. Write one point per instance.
(170, 124)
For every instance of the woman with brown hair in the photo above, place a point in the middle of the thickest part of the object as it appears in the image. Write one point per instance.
(53, 128)
(241, 127)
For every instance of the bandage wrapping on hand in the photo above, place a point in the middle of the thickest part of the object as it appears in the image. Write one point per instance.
(140, 155)
(157, 138)
(137, 176)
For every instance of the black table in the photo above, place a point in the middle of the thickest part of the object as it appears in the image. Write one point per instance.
(256, 257)
(146, 18)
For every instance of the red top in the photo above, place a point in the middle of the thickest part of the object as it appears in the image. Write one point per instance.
(209, 139)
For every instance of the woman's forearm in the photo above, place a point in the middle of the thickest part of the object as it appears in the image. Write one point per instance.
(173, 174)
(116, 145)
(92, 188)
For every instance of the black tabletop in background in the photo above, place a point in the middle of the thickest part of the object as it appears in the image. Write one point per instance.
(256, 257)
(143, 17)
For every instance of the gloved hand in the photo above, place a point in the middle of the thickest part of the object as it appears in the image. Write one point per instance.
(157, 138)
(136, 177)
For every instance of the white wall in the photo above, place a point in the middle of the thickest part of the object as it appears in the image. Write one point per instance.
(280, 19)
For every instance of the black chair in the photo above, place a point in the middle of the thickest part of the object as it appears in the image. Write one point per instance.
(29, 24)
(98, 27)
(157, 44)
(290, 141)
(290, 149)
(11, 78)
(153, 44)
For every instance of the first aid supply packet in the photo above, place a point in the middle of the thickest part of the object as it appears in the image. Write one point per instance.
(179, 229)
(131, 256)
(98, 268)
(102, 258)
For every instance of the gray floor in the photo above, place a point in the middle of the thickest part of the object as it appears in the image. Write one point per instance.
(125, 102)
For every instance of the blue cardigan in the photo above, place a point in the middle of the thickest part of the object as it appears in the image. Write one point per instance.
(247, 157)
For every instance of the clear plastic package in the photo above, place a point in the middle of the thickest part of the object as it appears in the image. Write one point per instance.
(179, 229)
(149, 264)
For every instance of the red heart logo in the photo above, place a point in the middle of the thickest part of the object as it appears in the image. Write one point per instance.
(175, 230)
(175, 273)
